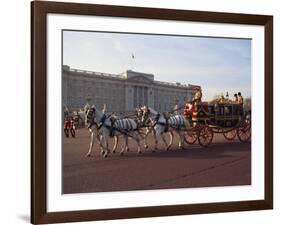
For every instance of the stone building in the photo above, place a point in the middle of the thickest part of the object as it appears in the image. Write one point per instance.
(122, 92)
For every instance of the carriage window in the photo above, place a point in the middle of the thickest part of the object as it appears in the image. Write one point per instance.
(236, 110)
(227, 110)
(211, 109)
(220, 110)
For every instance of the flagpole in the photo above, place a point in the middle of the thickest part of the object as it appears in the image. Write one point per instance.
(132, 65)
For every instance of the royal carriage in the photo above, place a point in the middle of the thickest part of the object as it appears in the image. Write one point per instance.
(221, 116)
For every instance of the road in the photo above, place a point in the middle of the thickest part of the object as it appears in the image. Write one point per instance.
(223, 163)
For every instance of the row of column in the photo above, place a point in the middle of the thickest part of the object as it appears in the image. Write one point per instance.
(140, 96)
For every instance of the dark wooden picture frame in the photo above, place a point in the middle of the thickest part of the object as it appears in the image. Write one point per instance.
(39, 11)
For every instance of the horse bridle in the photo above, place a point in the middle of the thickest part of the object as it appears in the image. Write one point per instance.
(93, 122)
(90, 113)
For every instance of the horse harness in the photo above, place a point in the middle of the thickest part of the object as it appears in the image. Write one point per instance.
(111, 128)
(166, 124)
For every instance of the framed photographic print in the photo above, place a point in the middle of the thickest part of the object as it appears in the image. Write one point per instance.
(144, 112)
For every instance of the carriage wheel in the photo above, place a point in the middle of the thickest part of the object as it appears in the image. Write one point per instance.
(230, 135)
(205, 136)
(244, 132)
(190, 137)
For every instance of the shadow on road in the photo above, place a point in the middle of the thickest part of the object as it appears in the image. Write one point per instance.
(218, 150)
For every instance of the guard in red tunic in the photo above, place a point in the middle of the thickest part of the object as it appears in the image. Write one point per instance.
(69, 126)
(66, 124)
(72, 123)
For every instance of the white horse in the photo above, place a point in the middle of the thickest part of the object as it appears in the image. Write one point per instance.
(162, 124)
(146, 124)
(95, 135)
(79, 118)
(107, 127)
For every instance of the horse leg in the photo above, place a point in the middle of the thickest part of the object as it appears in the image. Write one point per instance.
(136, 138)
(163, 139)
(156, 138)
(115, 144)
(125, 144)
(138, 142)
(104, 144)
(100, 144)
(145, 137)
(171, 140)
(91, 144)
(101, 139)
(181, 139)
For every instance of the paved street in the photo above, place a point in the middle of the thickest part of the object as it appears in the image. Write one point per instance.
(223, 163)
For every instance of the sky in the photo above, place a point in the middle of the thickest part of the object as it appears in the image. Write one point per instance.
(218, 65)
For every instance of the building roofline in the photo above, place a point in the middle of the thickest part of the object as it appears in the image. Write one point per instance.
(122, 77)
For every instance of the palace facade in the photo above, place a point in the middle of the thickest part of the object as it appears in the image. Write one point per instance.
(121, 92)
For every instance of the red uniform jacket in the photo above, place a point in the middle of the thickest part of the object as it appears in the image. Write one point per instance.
(68, 124)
